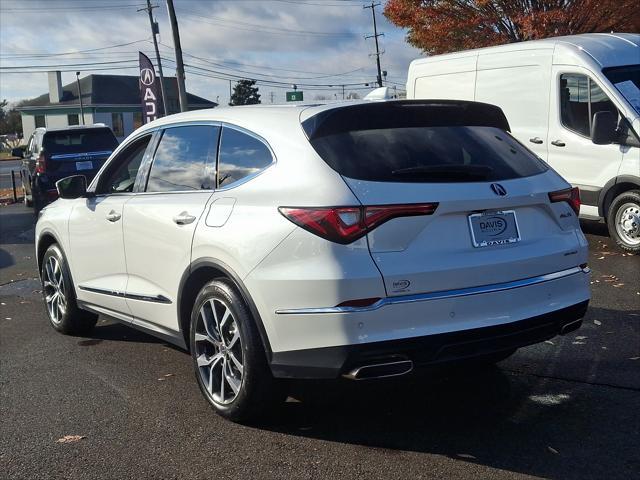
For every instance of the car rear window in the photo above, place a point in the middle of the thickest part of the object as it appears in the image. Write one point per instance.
(428, 143)
(79, 141)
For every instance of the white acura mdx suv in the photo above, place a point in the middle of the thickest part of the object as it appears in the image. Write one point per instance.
(358, 240)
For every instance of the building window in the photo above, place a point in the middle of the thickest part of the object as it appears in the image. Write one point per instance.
(40, 121)
(137, 120)
(117, 124)
(73, 119)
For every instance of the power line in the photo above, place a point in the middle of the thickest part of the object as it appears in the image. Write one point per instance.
(71, 8)
(250, 27)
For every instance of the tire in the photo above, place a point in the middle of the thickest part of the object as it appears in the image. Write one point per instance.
(59, 296)
(229, 342)
(623, 221)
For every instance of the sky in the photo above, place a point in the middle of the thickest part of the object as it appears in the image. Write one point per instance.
(316, 43)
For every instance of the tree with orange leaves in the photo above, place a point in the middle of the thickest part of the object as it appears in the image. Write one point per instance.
(442, 26)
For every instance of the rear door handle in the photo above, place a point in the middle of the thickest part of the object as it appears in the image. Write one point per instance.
(184, 218)
(536, 140)
(558, 143)
(113, 216)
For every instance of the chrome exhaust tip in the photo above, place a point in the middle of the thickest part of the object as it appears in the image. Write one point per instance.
(380, 370)
(570, 327)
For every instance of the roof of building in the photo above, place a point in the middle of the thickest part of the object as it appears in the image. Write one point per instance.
(103, 90)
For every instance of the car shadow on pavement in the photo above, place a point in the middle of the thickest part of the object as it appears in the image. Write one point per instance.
(117, 332)
(492, 417)
(594, 227)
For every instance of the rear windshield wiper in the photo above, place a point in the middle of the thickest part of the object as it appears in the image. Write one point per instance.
(446, 171)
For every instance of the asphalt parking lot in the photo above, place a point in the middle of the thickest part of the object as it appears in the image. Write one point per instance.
(567, 408)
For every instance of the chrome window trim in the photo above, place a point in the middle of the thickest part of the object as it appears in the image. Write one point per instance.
(253, 175)
(153, 130)
(421, 297)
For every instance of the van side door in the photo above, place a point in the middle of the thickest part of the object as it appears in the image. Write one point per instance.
(576, 97)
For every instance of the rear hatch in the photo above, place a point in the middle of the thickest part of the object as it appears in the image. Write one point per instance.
(494, 221)
(77, 151)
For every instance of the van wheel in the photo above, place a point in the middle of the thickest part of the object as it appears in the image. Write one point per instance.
(623, 221)
(59, 297)
(228, 356)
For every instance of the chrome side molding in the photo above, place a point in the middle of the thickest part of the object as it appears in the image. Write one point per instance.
(421, 297)
(130, 296)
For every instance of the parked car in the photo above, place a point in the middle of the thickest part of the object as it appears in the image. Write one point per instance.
(55, 153)
(575, 101)
(358, 240)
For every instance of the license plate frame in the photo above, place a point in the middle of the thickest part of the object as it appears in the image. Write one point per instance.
(84, 165)
(491, 236)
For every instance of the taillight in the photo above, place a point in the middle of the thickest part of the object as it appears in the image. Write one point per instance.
(41, 164)
(569, 195)
(347, 224)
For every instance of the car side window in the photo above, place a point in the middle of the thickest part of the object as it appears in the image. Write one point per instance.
(580, 99)
(121, 174)
(185, 159)
(241, 155)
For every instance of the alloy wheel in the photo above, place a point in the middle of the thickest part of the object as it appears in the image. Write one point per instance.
(219, 353)
(54, 290)
(628, 223)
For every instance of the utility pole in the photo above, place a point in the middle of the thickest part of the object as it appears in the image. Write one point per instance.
(375, 36)
(272, 95)
(179, 64)
(80, 96)
(154, 31)
(343, 92)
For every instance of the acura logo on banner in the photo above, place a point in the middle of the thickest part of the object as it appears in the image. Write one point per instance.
(149, 90)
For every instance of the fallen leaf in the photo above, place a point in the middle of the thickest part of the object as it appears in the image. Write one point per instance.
(70, 438)
(580, 337)
(552, 450)
(549, 342)
(600, 258)
(597, 322)
(578, 343)
(168, 374)
(619, 285)
(161, 379)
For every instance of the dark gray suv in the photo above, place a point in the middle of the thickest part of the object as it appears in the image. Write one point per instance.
(52, 154)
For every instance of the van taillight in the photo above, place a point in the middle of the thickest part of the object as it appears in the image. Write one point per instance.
(41, 164)
(347, 224)
(569, 195)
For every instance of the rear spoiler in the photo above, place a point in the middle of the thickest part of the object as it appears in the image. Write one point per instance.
(404, 114)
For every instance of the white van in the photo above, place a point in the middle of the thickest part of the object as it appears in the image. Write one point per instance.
(574, 100)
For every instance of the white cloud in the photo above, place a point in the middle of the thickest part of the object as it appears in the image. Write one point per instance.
(218, 30)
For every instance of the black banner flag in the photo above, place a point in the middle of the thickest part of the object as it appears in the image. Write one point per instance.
(149, 90)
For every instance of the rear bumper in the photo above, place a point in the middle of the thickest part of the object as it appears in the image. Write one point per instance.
(331, 362)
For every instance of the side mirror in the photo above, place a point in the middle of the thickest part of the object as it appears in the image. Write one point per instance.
(603, 129)
(17, 152)
(74, 186)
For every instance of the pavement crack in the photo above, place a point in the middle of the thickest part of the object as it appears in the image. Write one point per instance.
(572, 380)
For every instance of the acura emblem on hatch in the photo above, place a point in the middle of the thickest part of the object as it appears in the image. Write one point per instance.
(498, 189)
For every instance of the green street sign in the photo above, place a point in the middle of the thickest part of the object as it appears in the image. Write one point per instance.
(296, 96)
